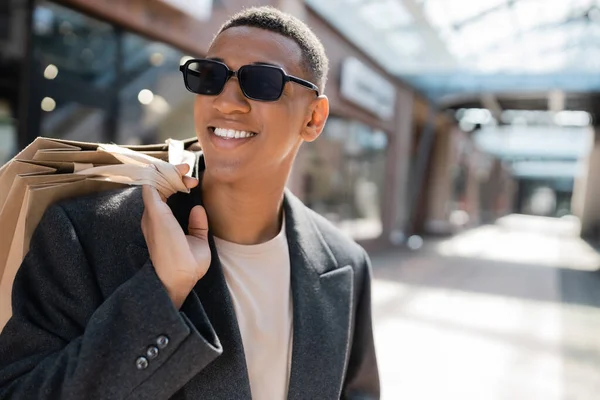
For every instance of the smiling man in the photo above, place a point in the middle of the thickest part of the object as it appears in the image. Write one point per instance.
(234, 291)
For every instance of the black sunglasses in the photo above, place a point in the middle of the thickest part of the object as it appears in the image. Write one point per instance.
(257, 81)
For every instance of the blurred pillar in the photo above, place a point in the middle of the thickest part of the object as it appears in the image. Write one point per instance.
(28, 111)
(490, 193)
(586, 193)
(111, 122)
(476, 175)
(399, 156)
(440, 193)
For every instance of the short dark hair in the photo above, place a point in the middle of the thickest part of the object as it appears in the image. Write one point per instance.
(314, 59)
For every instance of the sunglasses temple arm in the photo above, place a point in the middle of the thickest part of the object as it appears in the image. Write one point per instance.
(304, 83)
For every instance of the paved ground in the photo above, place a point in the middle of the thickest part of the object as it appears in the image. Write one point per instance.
(509, 311)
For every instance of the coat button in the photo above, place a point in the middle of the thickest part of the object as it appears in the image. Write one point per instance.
(141, 363)
(152, 352)
(162, 341)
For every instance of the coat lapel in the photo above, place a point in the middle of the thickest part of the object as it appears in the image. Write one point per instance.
(227, 376)
(211, 303)
(322, 295)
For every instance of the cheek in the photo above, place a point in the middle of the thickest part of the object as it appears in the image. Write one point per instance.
(200, 106)
(284, 126)
(280, 123)
(288, 117)
(197, 107)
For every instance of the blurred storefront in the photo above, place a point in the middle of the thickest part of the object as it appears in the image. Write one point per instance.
(102, 71)
(99, 70)
(108, 71)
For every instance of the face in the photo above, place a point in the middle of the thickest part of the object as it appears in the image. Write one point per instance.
(275, 129)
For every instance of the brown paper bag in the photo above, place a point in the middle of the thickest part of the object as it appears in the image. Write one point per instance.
(19, 168)
(40, 143)
(15, 202)
(36, 200)
(50, 170)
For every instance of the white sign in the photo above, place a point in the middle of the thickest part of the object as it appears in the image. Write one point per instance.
(198, 9)
(365, 87)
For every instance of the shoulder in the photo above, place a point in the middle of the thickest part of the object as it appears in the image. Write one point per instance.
(333, 236)
(90, 238)
(343, 248)
(104, 217)
(120, 204)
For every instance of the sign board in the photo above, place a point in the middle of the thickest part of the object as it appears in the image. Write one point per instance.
(198, 9)
(366, 88)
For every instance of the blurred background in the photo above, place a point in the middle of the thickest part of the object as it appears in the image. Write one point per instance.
(462, 151)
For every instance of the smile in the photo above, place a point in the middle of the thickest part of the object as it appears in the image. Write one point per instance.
(231, 133)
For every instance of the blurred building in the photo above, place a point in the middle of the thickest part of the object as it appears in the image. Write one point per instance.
(389, 164)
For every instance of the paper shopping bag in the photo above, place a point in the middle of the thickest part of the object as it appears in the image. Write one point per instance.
(15, 201)
(36, 200)
(50, 170)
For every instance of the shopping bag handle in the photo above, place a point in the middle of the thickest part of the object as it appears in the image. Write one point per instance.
(141, 169)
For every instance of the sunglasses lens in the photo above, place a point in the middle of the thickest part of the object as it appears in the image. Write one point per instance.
(206, 77)
(261, 82)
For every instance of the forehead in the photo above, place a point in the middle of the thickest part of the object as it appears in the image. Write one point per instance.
(243, 45)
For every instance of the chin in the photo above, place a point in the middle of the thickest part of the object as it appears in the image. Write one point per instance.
(226, 171)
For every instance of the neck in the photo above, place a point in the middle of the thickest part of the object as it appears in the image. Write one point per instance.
(243, 212)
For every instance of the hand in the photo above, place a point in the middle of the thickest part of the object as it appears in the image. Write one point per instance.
(180, 260)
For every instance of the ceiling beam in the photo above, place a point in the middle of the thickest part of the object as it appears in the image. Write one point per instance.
(475, 18)
(454, 100)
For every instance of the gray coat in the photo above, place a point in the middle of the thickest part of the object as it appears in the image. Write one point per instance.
(87, 304)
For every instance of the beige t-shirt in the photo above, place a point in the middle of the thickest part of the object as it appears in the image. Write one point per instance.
(258, 278)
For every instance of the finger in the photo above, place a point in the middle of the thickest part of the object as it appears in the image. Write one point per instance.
(198, 223)
(145, 228)
(182, 169)
(190, 182)
(147, 196)
(143, 222)
(151, 197)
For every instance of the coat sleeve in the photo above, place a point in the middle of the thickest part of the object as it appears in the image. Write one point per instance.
(362, 376)
(65, 340)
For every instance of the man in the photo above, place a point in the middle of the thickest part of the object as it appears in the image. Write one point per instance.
(273, 303)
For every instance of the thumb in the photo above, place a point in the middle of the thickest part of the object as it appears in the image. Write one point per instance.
(198, 223)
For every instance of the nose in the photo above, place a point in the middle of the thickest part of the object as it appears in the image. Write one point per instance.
(232, 100)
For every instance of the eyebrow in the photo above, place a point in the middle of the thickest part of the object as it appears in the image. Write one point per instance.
(254, 63)
(266, 63)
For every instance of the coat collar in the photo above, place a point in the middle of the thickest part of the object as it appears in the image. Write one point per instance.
(322, 295)
(304, 238)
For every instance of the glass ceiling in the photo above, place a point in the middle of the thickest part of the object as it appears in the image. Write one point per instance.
(448, 47)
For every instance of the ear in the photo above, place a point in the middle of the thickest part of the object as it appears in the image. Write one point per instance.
(315, 120)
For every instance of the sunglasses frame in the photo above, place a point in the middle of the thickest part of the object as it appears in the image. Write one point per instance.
(184, 68)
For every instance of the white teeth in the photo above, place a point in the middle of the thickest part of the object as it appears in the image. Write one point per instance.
(232, 134)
